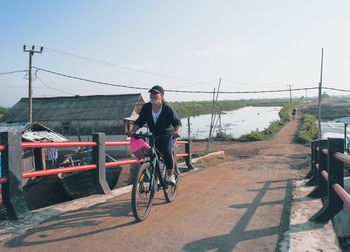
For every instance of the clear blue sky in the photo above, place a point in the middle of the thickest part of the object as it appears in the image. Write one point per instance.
(251, 45)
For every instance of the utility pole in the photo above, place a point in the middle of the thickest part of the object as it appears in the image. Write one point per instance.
(213, 116)
(290, 93)
(30, 103)
(207, 149)
(319, 99)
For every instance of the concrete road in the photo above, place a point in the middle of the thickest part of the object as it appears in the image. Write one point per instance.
(241, 205)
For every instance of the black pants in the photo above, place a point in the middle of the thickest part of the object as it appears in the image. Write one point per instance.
(166, 147)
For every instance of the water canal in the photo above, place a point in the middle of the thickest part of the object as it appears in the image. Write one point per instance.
(235, 123)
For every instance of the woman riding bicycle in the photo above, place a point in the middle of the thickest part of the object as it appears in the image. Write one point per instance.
(164, 124)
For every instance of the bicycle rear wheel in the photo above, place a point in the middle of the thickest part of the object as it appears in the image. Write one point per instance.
(142, 193)
(171, 190)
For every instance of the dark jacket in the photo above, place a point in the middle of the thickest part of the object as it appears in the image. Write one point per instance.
(166, 123)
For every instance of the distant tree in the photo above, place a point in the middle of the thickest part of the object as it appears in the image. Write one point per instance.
(3, 110)
(325, 95)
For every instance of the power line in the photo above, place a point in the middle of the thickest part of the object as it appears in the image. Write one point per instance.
(168, 90)
(12, 72)
(120, 66)
(57, 89)
(110, 64)
(336, 89)
(87, 80)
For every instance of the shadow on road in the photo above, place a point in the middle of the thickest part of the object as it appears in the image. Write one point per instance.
(74, 224)
(228, 242)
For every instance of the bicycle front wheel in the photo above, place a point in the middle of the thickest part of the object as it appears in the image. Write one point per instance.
(142, 193)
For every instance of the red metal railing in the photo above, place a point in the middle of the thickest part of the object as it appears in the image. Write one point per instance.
(114, 144)
(58, 170)
(342, 194)
(182, 155)
(29, 145)
(325, 175)
(52, 171)
(327, 169)
(16, 164)
(345, 158)
(123, 162)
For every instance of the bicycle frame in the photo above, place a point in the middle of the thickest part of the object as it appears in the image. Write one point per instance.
(154, 156)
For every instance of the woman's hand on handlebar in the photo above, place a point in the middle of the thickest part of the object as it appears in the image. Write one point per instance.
(175, 135)
(131, 133)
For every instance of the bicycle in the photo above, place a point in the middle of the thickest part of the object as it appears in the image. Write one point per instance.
(150, 178)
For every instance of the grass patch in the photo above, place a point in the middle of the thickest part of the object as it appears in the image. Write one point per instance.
(307, 130)
(211, 161)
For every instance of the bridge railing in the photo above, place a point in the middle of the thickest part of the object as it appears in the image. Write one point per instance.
(327, 174)
(13, 175)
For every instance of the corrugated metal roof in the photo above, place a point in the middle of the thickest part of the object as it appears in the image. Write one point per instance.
(345, 120)
(34, 132)
(96, 107)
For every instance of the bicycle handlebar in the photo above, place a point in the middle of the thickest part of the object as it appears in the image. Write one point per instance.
(148, 135)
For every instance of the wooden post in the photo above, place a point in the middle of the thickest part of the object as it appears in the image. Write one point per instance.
(39, 159)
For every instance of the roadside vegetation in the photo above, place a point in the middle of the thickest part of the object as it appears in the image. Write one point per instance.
(307, 130)
(3, 111)
(211, 161)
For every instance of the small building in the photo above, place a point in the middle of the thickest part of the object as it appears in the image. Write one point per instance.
(80, 115)
(33, 159)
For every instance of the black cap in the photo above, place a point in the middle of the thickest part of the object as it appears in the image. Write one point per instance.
(156, 89)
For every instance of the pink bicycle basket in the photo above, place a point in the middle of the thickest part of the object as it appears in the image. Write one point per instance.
(139, 147)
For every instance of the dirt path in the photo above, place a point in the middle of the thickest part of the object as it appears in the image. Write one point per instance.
(240, 205)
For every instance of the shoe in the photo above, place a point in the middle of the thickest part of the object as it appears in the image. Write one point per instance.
(171, 179)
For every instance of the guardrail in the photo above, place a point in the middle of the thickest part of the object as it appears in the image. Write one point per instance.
(13, 175)
(327, 174)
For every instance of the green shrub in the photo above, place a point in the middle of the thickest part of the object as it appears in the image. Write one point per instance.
(252, 136)
(221, 135)
(307, 130)
(3, 110)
